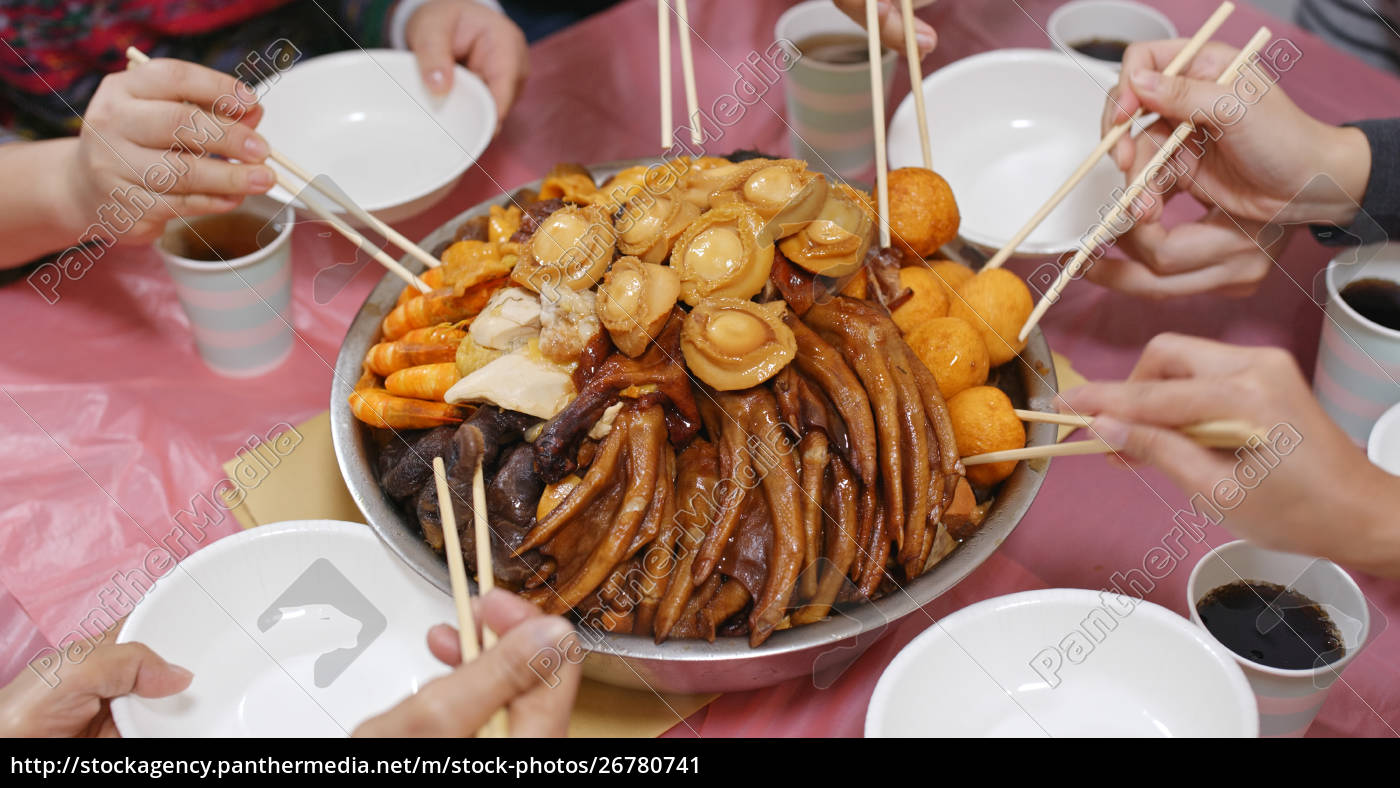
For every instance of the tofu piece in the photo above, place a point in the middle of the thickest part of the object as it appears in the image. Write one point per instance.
(519, 382)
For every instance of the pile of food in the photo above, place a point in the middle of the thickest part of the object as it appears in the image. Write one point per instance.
(704, 402)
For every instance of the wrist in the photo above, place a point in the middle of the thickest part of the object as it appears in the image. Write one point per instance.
(1346, 163)
(1374, 544)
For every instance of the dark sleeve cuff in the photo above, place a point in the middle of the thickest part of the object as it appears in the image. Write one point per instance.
(1379, 219)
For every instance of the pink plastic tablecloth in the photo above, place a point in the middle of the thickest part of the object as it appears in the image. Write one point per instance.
(112, 427)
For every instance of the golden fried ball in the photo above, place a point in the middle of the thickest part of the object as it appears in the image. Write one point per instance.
(923, 213)
(953, 351)
(983, 421)
(951, 274)
(996, 303)
(928, 302)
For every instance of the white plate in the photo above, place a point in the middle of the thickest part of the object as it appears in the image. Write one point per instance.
(364, 119)
(1383, 447)
(303, 628)
(1006, 129)
(990, 670)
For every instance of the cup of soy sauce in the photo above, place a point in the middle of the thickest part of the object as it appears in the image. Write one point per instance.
(1293, 623)
(1100, 30)
(1358, 355)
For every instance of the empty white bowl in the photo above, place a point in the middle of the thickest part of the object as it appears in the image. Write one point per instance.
(1062, 662)
(365, 120)
(304, 628)
(1107, 20)
(1383, 447)
(1006, 129)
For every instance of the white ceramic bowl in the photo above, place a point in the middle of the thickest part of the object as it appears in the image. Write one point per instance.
(1383, 447)
(1110, 20)
(1007, 128)
(302, 628)
(364, 119)
(1062, 662)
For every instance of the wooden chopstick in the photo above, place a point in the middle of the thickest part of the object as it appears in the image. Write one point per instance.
(1102, 231)
(1110, 139)
(877, 111)
(916, 81)
(138, 57)
(663, 31)
(456, 569)
(499, 724)
(1215, 434)
(692, 103)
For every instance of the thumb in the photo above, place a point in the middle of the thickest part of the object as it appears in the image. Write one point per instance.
(1190, 466)
(132, 668)
(432, 47)
(1175, 97)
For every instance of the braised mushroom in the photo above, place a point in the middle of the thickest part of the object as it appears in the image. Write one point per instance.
(733, 343)
(835, 242)
(571, 248)
(634, 302)
(722, 254)
(649, 226)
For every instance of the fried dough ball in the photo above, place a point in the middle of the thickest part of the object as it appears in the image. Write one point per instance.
(996, 303)
(929, 301)
(953, 351)
(923, 213)
(951, 274)
(984, 421)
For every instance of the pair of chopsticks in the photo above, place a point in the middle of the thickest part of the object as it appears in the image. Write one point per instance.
(692, 102)
(137, 57)
(498, 726)
(1103, 231)
(1218, 434)
(877, 105)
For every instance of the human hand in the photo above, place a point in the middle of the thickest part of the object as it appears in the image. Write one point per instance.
(892, 24)
(78, 704)
(505, 676)
(1321, 497)
(1254, 166)
(145, 147)
(442, 33)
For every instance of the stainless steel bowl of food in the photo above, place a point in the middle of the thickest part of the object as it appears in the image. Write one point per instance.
(693, 665)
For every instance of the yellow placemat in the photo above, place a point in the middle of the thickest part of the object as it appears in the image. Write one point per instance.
(295, 477)
(1067, 377)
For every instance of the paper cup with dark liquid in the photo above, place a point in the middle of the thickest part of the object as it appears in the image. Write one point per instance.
(233, 276)
(828, 89)
(1358, 357)
(1317, 627)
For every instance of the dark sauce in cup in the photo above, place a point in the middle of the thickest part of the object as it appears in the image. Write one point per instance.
(1102, 49)
(842, 49)
(1271, 625)
(1377, 300)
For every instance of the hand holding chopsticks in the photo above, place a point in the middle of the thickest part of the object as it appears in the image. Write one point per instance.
(138, 57)
(1103, 232)
(498, 725)
(1217, 434)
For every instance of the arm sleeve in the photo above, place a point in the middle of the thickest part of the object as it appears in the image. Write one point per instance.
(368, 21)
(1379, 219)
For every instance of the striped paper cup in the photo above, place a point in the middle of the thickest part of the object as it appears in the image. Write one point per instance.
(829, 104)
(239, 309)
(1358, 362)
(1288, 700)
